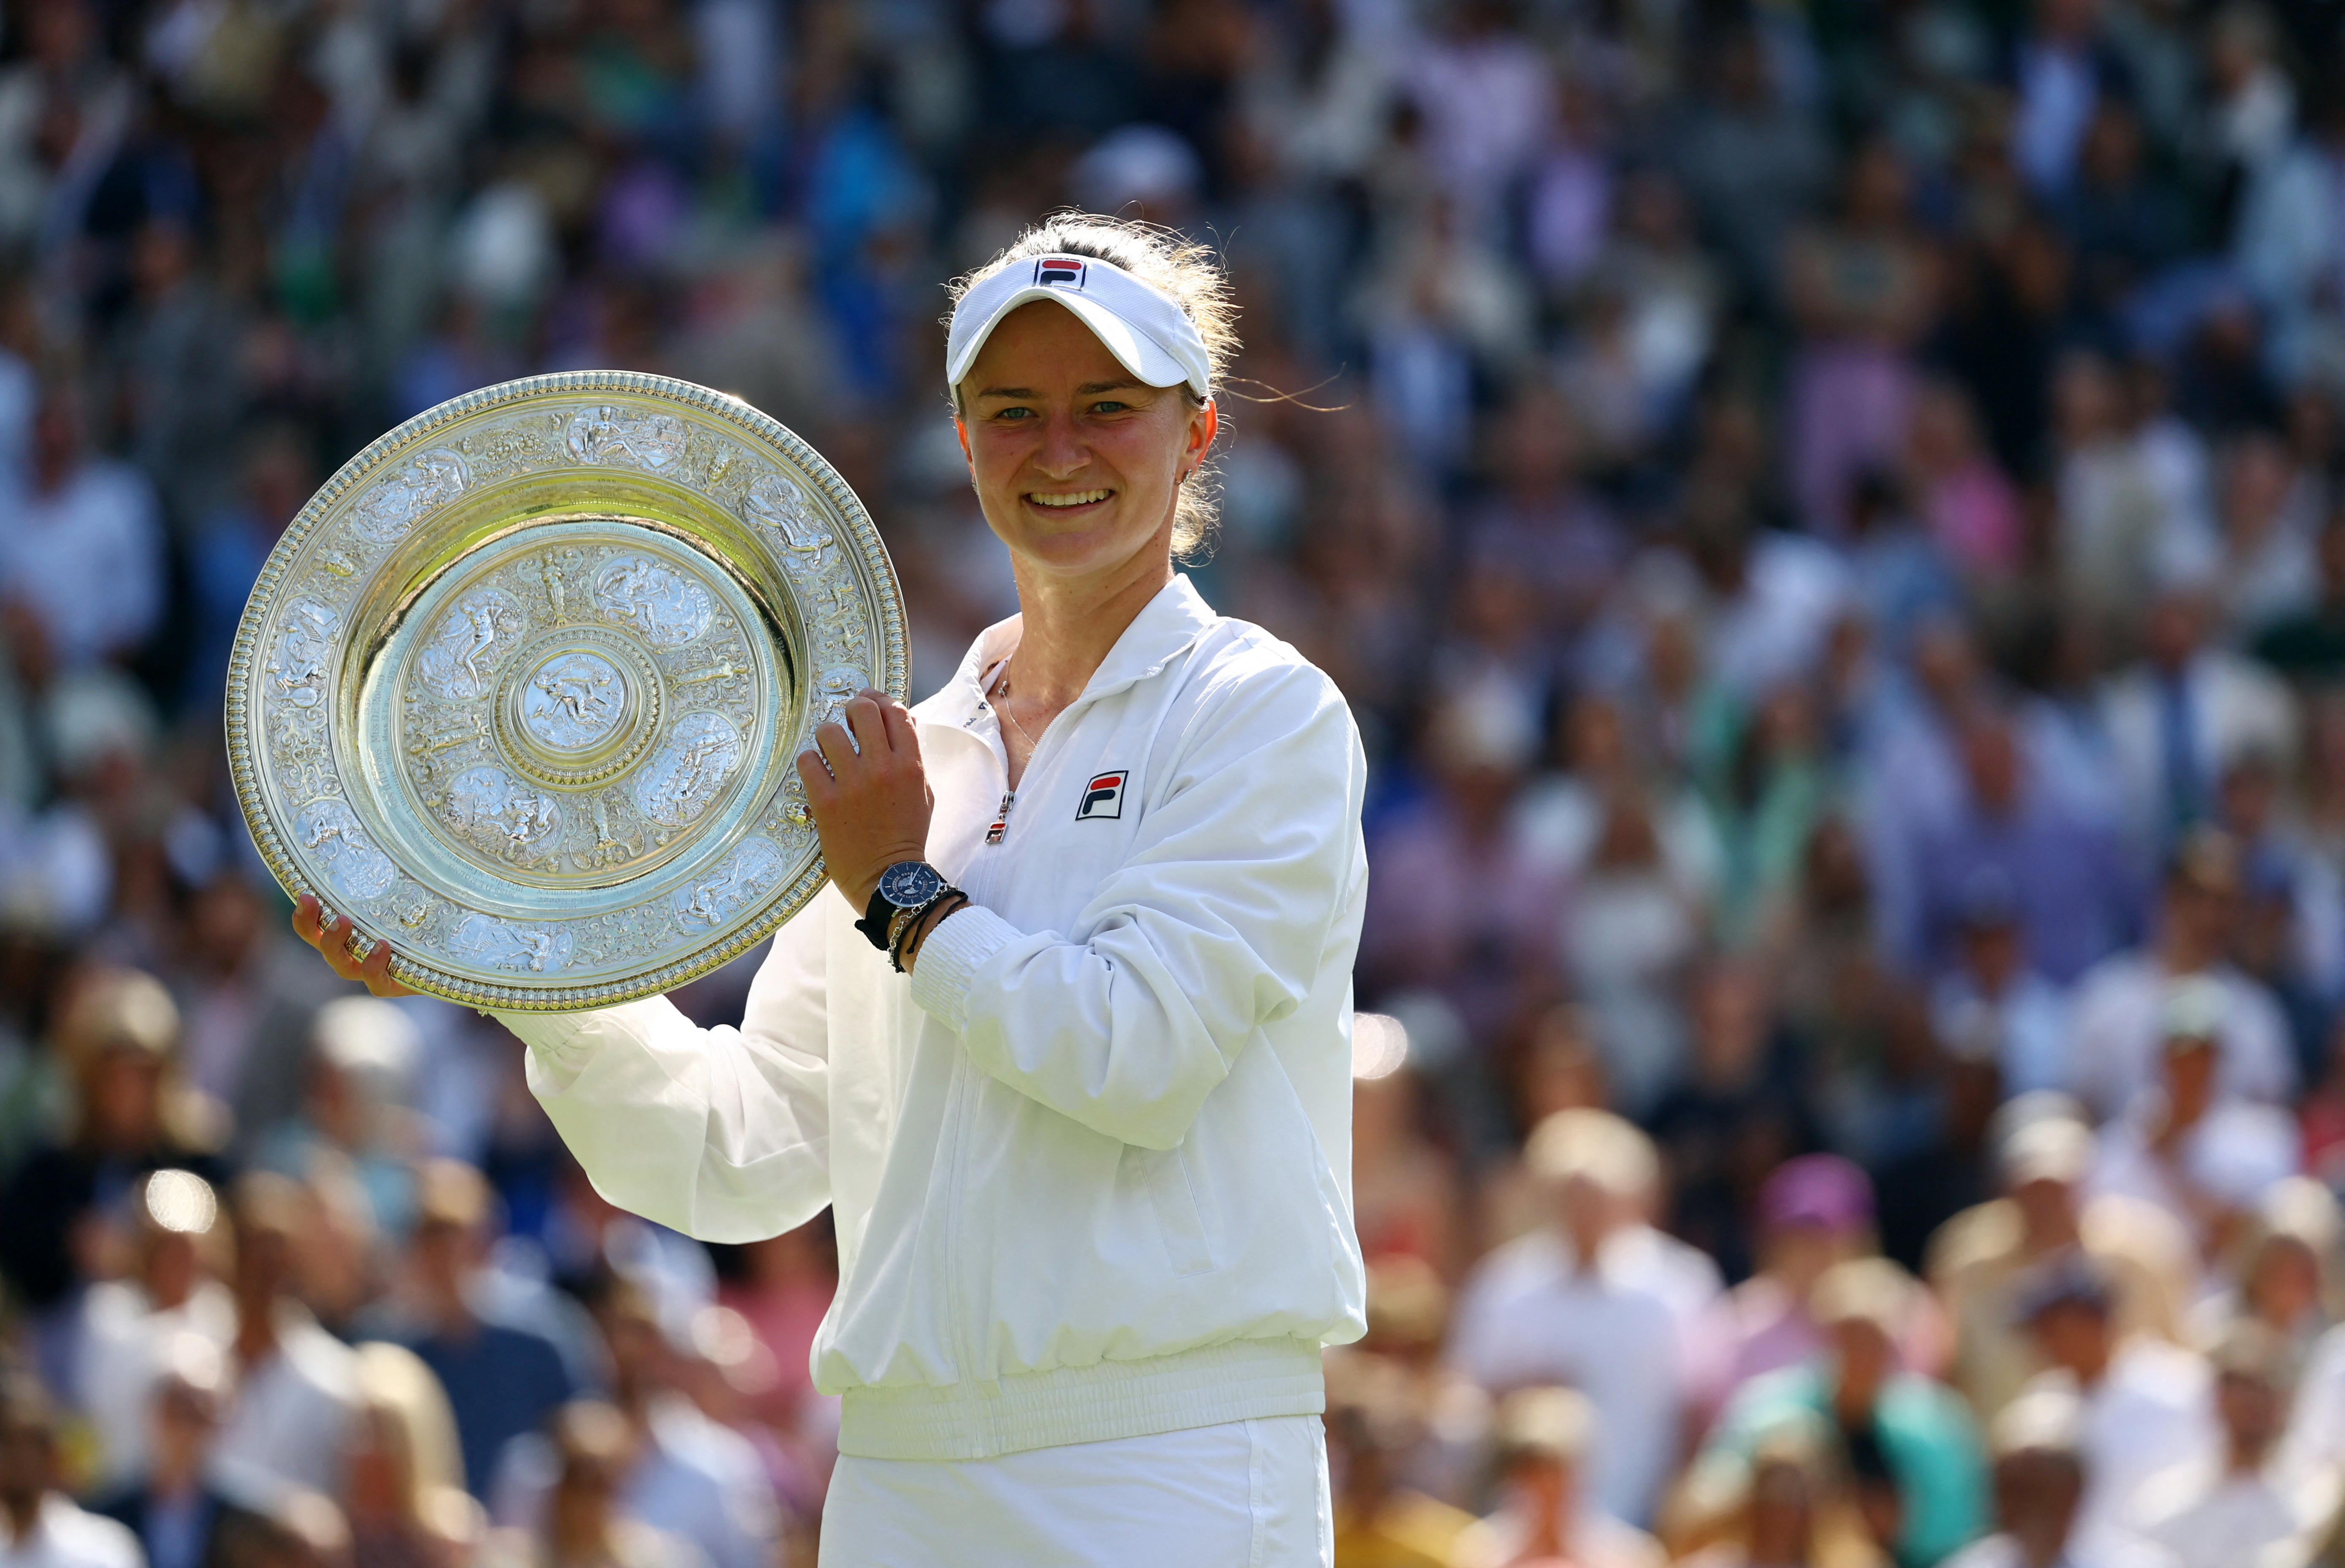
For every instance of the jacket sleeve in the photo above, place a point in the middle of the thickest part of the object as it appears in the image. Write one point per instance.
(722, 1134)
(1217, 923)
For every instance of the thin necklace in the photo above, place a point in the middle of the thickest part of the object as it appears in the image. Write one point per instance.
(1001, 701)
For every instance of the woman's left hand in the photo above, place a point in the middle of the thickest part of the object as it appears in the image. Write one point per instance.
(871, 802)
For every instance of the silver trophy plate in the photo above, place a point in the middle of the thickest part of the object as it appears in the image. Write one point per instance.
(521, 688)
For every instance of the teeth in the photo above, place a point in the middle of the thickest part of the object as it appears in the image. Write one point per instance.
(1069, 498)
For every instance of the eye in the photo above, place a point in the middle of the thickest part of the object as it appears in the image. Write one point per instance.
(1110, 405)
(1013, 411)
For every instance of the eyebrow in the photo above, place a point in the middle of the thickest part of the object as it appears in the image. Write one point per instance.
(1089, 389)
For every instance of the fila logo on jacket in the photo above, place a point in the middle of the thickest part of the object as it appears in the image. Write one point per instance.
(1104, 796)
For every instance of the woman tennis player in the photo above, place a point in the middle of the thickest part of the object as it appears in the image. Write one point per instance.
(1088, 1151)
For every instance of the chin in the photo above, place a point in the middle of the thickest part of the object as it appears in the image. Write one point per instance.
(1100, 543)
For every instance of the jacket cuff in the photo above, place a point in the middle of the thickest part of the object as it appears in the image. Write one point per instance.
(559, 1044)
(546, 1034)
(949, 958)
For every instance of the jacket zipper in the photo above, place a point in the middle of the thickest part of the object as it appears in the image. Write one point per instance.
(961, 1103)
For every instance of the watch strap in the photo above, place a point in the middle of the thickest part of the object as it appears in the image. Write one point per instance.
(876, 914)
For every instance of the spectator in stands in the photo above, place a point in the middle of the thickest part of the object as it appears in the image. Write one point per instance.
(2174, 720)
(296, 1389)
(2064, 875)
(2205, 1156)
(2312, 1452)
(86, 553)
(1789, 1502)
(1545, 1437)
(1855, 1391)
(2283, 1271)
(1373, 1427)
(2310, 643)
(120, 1036)
(686, 1475)
(1992, 988)
(1562, 1304)
(782, 1292)
(1404, 1196)
(1739, 1114)
(356, 1108)
(1983, 1260)
(180, 1246)
(250, 1001)
(2145, 1406)
(584, 1525)
(40, 1526)
(1814, 1213)
(503, 1376)
(170, 1503)
(2041, 1467)
(2120, 1005)
(2233, 1511)
(403, 1490)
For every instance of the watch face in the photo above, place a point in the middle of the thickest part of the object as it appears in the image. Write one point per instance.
(907, 884)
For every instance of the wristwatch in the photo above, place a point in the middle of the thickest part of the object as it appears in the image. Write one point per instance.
(905, 888)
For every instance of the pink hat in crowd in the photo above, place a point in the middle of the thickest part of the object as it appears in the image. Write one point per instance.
(1822, 1190)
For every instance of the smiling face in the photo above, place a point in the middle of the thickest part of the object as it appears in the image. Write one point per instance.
(1077, 464)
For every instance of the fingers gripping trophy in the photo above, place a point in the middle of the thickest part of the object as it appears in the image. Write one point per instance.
(574, 688)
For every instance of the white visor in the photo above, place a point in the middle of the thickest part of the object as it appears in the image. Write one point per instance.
(1149, 335)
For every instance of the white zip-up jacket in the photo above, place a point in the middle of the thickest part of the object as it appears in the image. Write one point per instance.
(1090, 1163)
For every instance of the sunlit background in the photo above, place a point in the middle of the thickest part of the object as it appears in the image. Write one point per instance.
(1826, 512)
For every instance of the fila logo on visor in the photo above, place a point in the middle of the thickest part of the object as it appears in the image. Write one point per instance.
(1059, 272)
(1104, 797)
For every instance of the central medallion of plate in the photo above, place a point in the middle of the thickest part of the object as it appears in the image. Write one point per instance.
(573, 701)
(579, 705)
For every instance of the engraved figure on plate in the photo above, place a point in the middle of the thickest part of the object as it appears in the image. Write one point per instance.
(836, 688)
(662, 606)
(752, 871)
(297, 662)
(472, 637)
(681, 782)
(573, 700)
(608, 434)
(329, 830)
(611, 848)
(781, 506)
(428, 479)
(495, 812)
(498, 944)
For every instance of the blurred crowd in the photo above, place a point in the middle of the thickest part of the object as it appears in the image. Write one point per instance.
(1829, 513)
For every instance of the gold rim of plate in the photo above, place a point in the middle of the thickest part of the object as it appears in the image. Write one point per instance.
(521, 688)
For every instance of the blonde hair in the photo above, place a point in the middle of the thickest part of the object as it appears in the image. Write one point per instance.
(1184, 272)
(413, 1420)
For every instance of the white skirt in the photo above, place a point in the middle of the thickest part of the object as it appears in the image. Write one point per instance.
(1247, 1494)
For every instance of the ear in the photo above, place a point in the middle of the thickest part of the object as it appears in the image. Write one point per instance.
(1202, 423)
(960, 433)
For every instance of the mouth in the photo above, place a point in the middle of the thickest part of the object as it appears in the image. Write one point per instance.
(1069, 501)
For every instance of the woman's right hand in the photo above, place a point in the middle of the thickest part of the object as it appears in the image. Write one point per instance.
(331, 937)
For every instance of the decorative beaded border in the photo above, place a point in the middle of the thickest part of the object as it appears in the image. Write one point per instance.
(862, 534)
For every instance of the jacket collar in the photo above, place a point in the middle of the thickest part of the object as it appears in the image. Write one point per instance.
(1164, 628)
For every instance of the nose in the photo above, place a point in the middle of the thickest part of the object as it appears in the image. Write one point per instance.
(1062, 451)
